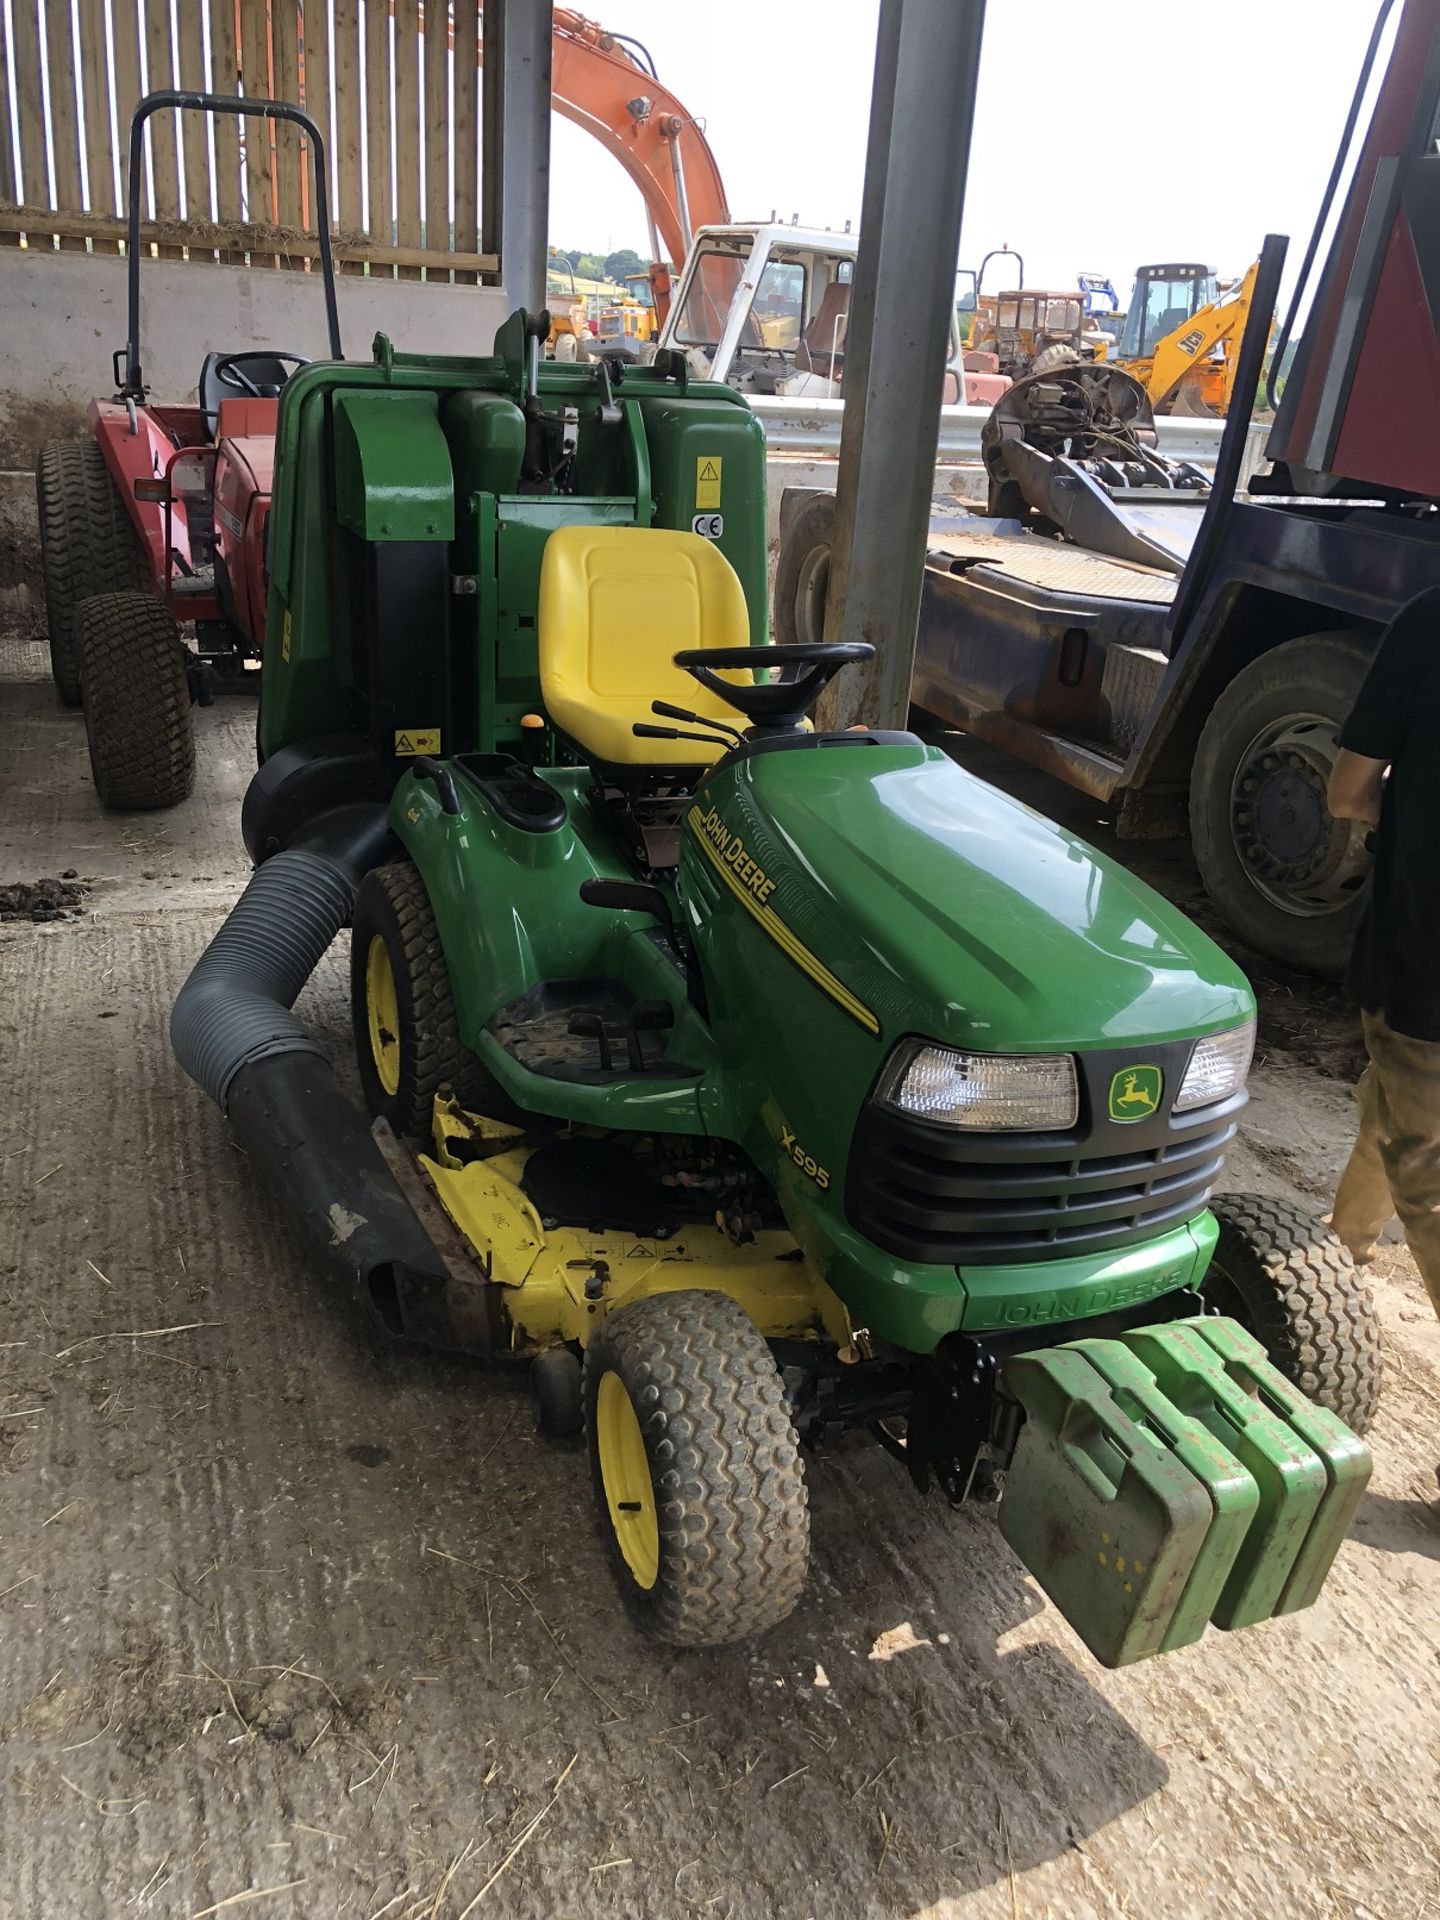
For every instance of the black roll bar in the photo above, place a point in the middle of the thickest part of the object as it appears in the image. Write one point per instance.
(132, 386)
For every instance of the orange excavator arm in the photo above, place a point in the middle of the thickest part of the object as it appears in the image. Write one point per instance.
(600, 84)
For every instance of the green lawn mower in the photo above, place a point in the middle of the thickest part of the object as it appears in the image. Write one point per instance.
(749, 1083)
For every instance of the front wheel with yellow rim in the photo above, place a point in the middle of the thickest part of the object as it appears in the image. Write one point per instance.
(697, 1473)
(406, 1042)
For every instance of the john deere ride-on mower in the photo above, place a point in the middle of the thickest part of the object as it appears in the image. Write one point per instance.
(750, 1083)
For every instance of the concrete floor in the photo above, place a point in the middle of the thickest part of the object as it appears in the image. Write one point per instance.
(299, 1617)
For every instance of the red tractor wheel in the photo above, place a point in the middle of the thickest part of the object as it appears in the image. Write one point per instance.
(137, 701)
(87, 546)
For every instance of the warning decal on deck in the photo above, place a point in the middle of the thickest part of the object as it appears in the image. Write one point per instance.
(707, 482)
(417, 740)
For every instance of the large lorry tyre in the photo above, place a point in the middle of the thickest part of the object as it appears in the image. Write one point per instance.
(87, 545)
(1288, 1280)
(407, 1040)
(1287, 878)
(802, 574)
(136, 695)
(696, 1469)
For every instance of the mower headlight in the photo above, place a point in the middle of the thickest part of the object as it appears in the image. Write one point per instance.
(1218, 1067)
(983, 1092)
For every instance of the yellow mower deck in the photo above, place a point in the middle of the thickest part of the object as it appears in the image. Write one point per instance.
(560, 1282)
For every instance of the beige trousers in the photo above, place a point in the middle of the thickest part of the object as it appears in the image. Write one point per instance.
(1395, 1165)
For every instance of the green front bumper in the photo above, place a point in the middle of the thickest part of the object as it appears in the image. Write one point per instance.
(915, 1306)
(1044, 1293)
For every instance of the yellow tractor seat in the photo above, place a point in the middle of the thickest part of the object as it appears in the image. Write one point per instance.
(616, 605)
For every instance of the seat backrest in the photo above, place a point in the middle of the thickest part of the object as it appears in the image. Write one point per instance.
(616, 605)
(822, 345)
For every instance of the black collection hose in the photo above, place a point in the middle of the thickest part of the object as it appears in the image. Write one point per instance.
(235, 1007)
(233, 1031)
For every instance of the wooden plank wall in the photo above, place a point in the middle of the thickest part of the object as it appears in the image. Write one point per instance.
(391, 84)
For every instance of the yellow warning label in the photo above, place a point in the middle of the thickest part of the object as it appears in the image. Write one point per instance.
(417, 740)
(707, 483)
(285, 637)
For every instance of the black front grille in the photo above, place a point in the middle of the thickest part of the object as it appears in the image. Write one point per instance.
(937, 1194)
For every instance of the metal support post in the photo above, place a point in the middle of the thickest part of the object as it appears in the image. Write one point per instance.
(922, 112)
(515, 133)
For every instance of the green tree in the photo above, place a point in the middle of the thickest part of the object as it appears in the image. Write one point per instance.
(617, 265)
(590, 266)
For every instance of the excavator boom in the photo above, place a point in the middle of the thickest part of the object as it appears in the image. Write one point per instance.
(607, 84)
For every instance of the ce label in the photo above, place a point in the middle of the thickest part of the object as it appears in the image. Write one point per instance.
(709, 526)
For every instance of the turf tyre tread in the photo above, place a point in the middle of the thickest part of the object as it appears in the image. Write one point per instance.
(137, 701)
(730, 1489)
(1058, 355)
(88, 545)
(393, 903)
(1306, 1302)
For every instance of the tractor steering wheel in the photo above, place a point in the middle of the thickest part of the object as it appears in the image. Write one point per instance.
(229, 371)
(778, 706)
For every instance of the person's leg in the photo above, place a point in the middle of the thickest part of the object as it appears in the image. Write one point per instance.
(1408, 1136)
(1363, 1202)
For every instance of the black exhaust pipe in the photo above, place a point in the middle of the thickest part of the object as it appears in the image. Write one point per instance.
(233, 1031)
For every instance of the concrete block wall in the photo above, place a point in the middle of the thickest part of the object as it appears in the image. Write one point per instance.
(63, 314)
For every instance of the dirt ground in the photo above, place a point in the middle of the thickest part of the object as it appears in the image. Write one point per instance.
(300, 1623)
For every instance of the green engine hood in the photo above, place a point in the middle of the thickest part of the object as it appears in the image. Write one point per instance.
(953, 910)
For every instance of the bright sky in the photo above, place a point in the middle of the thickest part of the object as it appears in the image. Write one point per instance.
(1105, 136)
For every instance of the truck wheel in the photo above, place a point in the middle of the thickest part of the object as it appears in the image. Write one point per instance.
(137, 701)
(87, 545)
(1058, 355)
(802, 576)
(696, 1469)
(1288, 1280)
(1285, 876)
(407, 1043)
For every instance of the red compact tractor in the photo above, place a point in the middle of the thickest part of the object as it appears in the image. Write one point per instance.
(154, 524)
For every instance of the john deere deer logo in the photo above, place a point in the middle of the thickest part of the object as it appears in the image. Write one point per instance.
(1135, 1093)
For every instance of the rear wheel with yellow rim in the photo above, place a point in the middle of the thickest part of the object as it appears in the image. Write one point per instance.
(407, 1045)
(697, 1473)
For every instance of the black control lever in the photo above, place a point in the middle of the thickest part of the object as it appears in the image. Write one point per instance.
(628, 896)
(424, 768)
(590, 1026)
(695, 719)
(645, 731)
(646, 1016)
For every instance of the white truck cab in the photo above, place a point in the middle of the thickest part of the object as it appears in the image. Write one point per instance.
(765, 308)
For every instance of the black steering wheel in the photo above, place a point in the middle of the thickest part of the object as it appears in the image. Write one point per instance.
(228, 371)
(778, 706)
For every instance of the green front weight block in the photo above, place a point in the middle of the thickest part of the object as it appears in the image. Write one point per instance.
(1344, 1456)
(1234, 1496)
(1108, 1518)
(1289, 1473)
